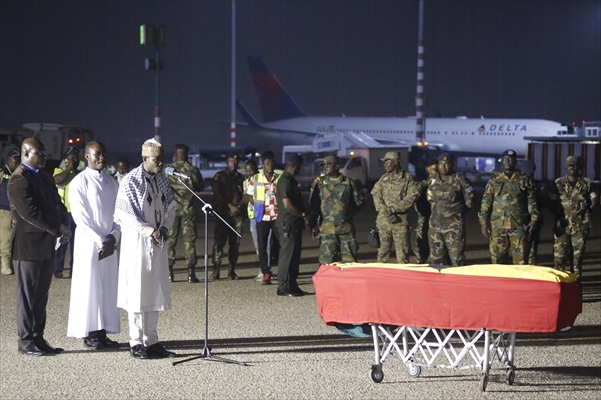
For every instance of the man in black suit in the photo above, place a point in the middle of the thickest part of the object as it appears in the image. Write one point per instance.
(39, 218)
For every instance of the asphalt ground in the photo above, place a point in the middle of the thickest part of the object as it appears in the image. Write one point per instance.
(288, 351)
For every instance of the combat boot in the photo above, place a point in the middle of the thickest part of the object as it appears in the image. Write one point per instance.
(171, 277)
(192, 274)
(5, 267)
(215, 274)
(232, 273)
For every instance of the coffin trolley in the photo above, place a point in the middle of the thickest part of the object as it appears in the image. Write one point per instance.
(454, 318)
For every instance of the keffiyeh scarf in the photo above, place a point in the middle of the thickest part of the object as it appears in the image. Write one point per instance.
(129, 208)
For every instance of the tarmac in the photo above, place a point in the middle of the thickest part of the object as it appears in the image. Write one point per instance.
(282, 348)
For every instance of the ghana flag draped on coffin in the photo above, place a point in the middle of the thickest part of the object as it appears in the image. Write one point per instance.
(507, 298)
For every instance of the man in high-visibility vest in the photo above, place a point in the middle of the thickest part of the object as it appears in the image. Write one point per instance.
(62, 177)
(250, 169)
(261, 187)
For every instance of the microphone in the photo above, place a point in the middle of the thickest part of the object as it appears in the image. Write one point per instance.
(172, 172)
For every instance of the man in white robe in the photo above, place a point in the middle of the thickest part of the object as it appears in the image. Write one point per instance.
(145, 210)
(93, 308)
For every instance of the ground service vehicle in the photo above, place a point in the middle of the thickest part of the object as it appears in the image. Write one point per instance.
(57, 138)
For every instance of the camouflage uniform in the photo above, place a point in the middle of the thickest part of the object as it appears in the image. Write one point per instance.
(337, 200)
(5, 223)
(510, 204)
(315, 217)
(394, 194)
(534, 236)
(572, 223)
(449, 199)
(230, 185)
(185, 217)
(422, 207)
(315, 191)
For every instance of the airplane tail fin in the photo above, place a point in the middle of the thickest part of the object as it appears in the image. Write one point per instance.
(250, 120)
(275, 102)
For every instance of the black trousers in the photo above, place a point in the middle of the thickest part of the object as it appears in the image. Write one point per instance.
(288, 264)
(263, 229)
(61, 253)
(33, 283)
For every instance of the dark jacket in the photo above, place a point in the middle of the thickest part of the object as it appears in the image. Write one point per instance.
(4, 204)
(37, 214)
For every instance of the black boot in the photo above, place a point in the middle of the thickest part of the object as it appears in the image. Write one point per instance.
(215, 274)
(231, 273)
(192, 274)
(171, 278)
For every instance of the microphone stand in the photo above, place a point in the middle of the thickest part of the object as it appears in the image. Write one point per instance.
(206, 352)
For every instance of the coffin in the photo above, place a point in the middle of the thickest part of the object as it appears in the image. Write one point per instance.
(507, 298)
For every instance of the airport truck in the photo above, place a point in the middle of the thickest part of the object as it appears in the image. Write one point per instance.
(365, 167)
(11, 137)
(361, 164)
(57, 138)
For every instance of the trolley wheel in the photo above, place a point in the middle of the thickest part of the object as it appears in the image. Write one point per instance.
(376, 373)
(510, 376)
(414, 370)
(483, 382)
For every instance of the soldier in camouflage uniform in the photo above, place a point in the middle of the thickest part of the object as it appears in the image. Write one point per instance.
(394, 195)
(315, 212)
(337, 199)
(185, 216)
(227, 193)
(528, 167)
(422, 207)
(450, 195)
(575, 198)
(509, 202)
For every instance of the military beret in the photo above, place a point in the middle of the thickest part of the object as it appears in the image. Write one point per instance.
(445, 157)
(294, 159)
(330, 160)
(391, 155)
(431, 161)
(509, 153)
(573, 160)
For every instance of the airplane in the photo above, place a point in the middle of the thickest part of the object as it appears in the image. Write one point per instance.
(461, 135)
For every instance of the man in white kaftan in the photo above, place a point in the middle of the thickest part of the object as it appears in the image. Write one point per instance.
(145, 210)
(93, 308)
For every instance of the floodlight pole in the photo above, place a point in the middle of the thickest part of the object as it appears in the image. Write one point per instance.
(233, 95)
(420, 131)
(154, 35)
(157, 109)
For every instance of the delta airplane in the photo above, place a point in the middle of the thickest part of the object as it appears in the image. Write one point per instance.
(459, 135)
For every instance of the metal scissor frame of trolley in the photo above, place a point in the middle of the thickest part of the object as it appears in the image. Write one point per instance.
(422, 347)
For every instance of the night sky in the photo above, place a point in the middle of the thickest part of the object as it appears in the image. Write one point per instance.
(81, 62)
